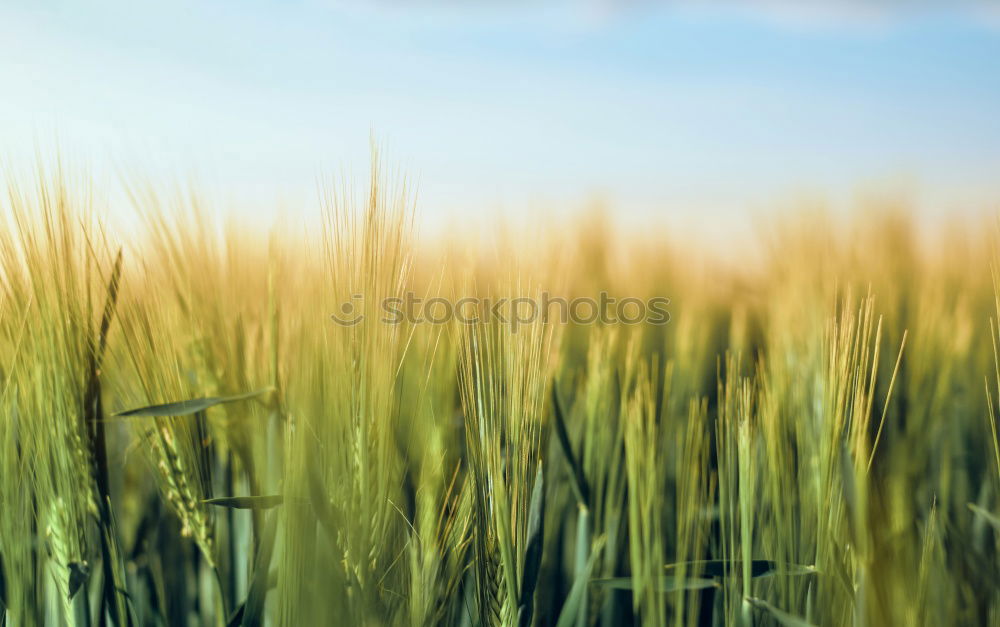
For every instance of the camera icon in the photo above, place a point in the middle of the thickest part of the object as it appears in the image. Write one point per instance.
(350, 314)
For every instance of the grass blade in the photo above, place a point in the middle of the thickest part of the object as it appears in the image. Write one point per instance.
(665, 583)
(575, 606)
(578, 480)
(187, 408)
(758, 568)
(247, 502)
(985, 515)
(583, 563)
(781, 616)
(533, 551)
(253, 613)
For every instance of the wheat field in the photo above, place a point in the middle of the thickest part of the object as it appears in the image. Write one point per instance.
(190, 437)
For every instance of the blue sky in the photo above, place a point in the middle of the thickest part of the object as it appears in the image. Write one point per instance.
(701, 114)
